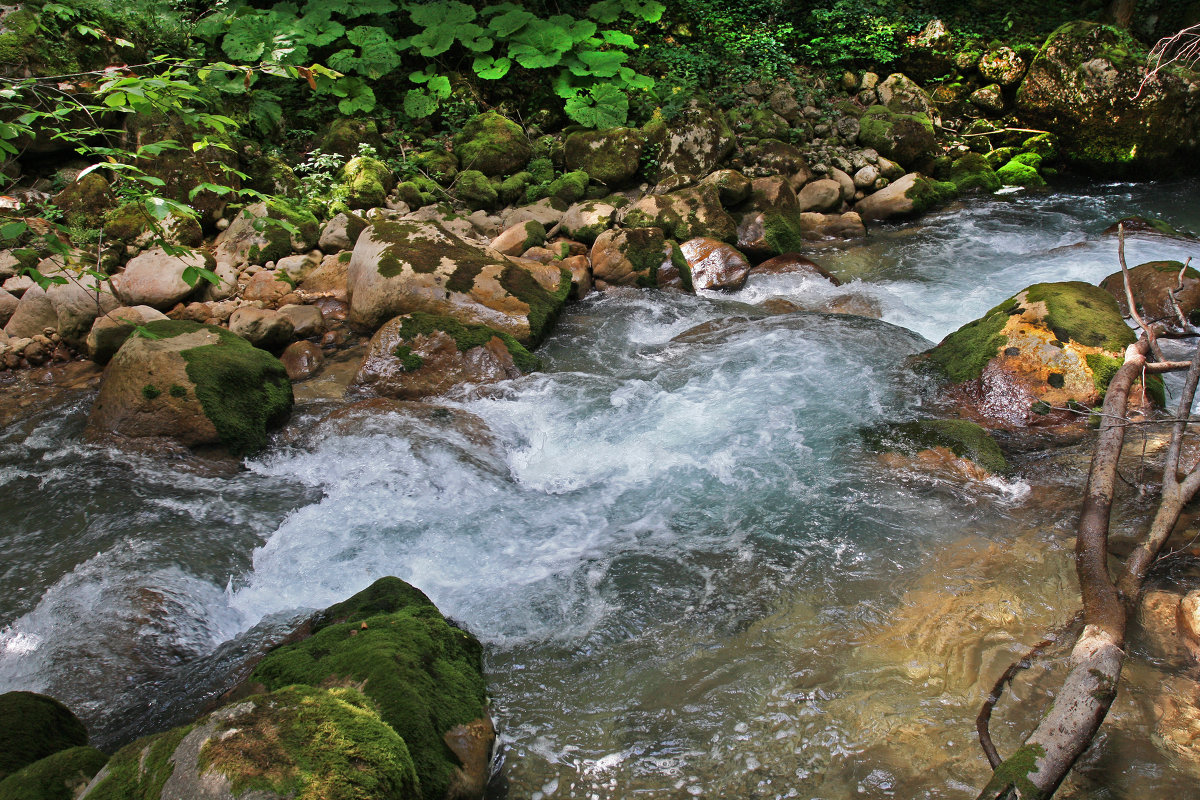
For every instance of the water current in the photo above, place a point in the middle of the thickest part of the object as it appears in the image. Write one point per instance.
(690, 577)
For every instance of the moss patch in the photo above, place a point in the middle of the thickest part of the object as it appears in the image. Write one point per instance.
(312, 744)
(1084, 313)
(409, 361)
(423, 674)
(679, 261)
(54, 777)
(150, 391)
(972, 173)
(963, 354)
(138, 770)
(965, 439)
(544, 306)
(475, 190)
(465, 338)
(492, 144)
(1014, 771)
(35, 726)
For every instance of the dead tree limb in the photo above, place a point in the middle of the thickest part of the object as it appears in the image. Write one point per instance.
(1037, 768)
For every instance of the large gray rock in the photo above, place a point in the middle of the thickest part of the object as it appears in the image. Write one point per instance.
(684, 214)
(910, 196)
(695, 142)
(822, 195)
(155, 278)
(110, 331)
(262, 327)
(609, 157)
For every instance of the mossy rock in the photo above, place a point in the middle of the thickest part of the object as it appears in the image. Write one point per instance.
(271, 175)
(1018, 173)
(280, 242)
(972, 173)
(299, 743)
(640, 257)
(904, 138)
(367, 182)
(1044, 144)
(345, 134)
(1000, 156)
(185, 168)
(682, 215)
(611, 157)
(492, 144)
(910, 196)
(512, 189)
(570, 188)
(756, 122)
(56, 777)
(475, 190)
(1035, 349)
(440, 165)
(694, 142)
(965, 439)
(19, 39)
(35, 726)
(130, 223)
(85, 201)
(422, 674)
(1085, 87)
(230, 392)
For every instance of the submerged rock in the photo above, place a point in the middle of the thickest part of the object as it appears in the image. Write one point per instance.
(406, 266)
(418, 355)
(1050, 347)
(961, 438)
(194, 384)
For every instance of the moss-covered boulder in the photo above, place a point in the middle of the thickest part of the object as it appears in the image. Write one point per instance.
(256, 237)
(988, 99)
(611, 157)
(194, 384)
(85, 202)
(423, 675)
(345, 134)
(1002, 65)
(35, 726)
(1083, 86)
(184, 168)
(693, 142)
(684, 214)
(399, 267)
(518, 238)
(440, 165)
(641, 257)
(492, 144)
(1150, 225)
(904, 138)
(571, 187)
(61, 776)
(587, 220)
(1018, 172)
(732, 186)
(1162, 290)
(475, 190)
(131, 224)
(367, 181)
(972, 173)
(1050, 347)
(900, 94)
(757, 122)
(959, 438)
(420, 355)
(300, 743)
(910, 196)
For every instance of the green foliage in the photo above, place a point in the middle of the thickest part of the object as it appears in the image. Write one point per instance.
(855, 32)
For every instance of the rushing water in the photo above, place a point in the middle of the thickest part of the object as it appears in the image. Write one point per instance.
(689, 576)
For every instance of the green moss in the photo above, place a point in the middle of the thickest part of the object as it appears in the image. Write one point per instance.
(1000, 156)
(963, 354)
(408, 192)
(465, 338)
(440, 165)
(409, 361)
(905, 138)
(312, 744)
(972, 173)
(1028, 159)
(542, 170)
(512, 189)
(139, 770)
(535, 234)
(570, 188)
(1014, 771)
(35, 726)
(1103, 369)
(178, 391)
(19, 38)
(244, 391)
(685, 269)
(492, 145)
(544, 306)
(367, 181)
(964, 439)
(150, 392)
(345, 135)
(54, 777)
(1015, 173)
(423, 674)
(344, 257)
(1084, 313)
(927, 194)
(475, 190)
(408, 247)
(611, 157)
(1044, 144)
(782, 230)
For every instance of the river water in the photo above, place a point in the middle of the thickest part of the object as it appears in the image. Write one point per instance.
(690, 577)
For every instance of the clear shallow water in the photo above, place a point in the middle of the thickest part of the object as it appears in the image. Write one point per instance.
(689, 577)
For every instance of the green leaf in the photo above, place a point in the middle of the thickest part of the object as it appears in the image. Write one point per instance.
(635, 80)
(441, 14)
(602, 63)
(11, 230)
(357, 96)
(434, 41)
(474, 38)
(604, 106)
(247, 37)
(379, 52)
(507, 24)
(618, 39)
(490, 68)
(192, 275)
(419, 104)
(439, 85)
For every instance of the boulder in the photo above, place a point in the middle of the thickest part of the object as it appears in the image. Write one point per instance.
(194, 384)
(35, 726)
(714, 264)
(610, 157)
(1153, 284)
(1083, 86)
(548, 211)
(1018, 172)
(366, 182)
(155, 278)
(779, 158)
(267, 286)
(685, 214)
(476, 191)
(420, 674)
(299, 741)
(345, 134)
(1049, 347)
(306, 320)
(910, 196)
(85, 201)
(822, 195)
(904, 137)
(988, 99)
(341, 232)
(960, 438)
(773, 193)
(901, 95)
(256, 237)
(1002, 66)
(33, 314)
(793, 264)
(399, 267)
(519, 238)
(638, 257)
(329, 279)
(110, 331)
(419, 355)
(694, 142)
(298, 267)
(585, 221)
(972, 173)
(8, 306)
(580, 268)
(732, 186)
(756, 122)
(492, 145)
(1143, 225)
(262, 327)
(62, 776)
(302, 360)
